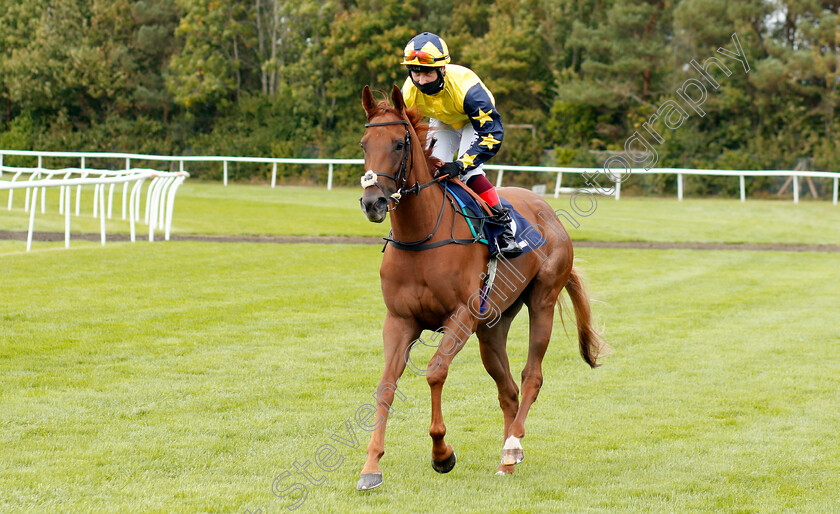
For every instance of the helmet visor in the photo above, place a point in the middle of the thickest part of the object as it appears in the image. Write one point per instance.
(421, 57)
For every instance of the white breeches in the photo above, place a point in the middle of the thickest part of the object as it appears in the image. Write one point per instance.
(452, 143)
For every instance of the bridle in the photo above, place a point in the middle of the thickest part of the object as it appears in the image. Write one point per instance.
(400, 179)
(406, 164)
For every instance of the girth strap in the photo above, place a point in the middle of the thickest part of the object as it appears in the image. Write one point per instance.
(428, 246)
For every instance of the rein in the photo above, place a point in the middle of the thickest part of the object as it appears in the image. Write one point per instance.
(418, 245)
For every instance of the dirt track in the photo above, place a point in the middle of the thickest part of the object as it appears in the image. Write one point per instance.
(59, 236)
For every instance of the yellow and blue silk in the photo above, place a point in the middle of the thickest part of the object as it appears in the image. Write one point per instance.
(464, 99)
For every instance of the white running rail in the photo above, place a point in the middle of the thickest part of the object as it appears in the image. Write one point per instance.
(274, 161)
(679, 172)
(160, 195)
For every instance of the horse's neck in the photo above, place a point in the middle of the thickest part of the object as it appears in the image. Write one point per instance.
(417, 214)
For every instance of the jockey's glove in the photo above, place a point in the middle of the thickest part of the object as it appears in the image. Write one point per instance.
(450, 169)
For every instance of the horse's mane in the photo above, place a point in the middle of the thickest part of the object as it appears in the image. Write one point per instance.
(415, 117)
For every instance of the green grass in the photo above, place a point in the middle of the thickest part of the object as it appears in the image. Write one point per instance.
(210, 208)
(186, 376)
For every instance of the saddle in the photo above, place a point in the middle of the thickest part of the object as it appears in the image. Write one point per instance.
(480, 219)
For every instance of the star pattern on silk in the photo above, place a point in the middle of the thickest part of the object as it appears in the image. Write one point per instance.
(467, 159)
(489, 142)
(483, 117)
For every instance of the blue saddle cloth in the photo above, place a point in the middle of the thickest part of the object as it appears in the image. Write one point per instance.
(527, 237)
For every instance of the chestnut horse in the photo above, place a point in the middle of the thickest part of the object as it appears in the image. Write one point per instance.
(435, 289)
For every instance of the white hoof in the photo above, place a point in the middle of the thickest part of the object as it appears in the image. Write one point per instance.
(513, 443)
(512, 453)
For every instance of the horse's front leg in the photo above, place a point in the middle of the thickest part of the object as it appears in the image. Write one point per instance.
(397, 335)
(456, 331)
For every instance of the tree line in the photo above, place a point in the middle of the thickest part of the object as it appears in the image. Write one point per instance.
(573, 79)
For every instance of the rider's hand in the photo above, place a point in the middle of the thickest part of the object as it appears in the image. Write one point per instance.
(450, 170)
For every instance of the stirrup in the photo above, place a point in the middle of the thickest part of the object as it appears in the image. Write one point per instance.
(507, 243)
(511, 251)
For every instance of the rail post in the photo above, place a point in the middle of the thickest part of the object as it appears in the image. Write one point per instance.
(43, 189)
(125, 188)
(679, 186)
(102, 213)
(31, 219)
(79, 188)
(62, 203)
(330, 177)
(66, 190)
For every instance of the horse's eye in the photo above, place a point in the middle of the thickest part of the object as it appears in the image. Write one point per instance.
(362, 145)
(399, 146)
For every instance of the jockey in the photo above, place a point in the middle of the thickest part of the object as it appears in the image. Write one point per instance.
(463, 119)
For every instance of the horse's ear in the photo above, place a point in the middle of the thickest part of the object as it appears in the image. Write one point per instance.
(367, 101)
(397, 98)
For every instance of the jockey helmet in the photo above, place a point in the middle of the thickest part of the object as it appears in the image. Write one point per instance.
(424, 53)
(426, 50)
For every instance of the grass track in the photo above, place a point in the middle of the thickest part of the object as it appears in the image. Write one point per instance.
(210, 208)
(186, 376)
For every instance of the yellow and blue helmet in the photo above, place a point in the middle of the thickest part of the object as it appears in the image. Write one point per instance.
(426, 50)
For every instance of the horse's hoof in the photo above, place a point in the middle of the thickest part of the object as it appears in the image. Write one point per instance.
(445, 466)
(505, 470)
(369, 481)
(512, 453)
(512, 457)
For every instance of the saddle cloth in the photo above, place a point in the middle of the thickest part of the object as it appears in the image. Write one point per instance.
(492, 230)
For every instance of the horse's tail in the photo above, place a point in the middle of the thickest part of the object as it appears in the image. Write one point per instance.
(592, 343)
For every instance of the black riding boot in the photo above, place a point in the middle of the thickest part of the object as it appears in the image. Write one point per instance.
(506, 242)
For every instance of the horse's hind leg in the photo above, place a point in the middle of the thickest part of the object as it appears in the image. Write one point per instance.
(493, 346)
(541, 315)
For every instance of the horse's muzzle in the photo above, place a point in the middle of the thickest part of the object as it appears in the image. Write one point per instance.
(374, 207)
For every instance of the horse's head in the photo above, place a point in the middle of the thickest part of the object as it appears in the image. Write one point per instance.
(389, 160)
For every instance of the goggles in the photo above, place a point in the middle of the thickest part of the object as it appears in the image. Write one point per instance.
(422, 57)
